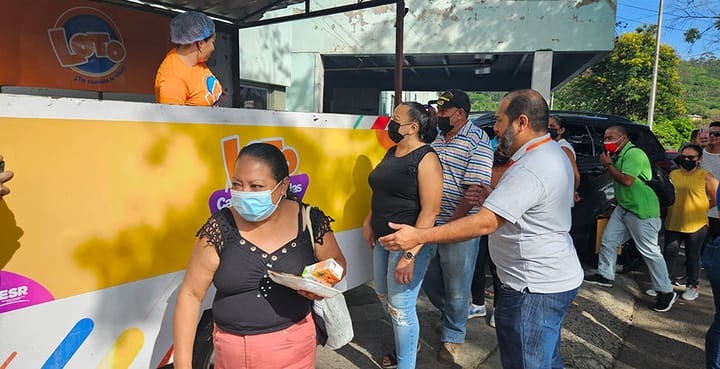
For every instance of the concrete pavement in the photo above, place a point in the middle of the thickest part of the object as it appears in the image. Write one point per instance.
(605, 328)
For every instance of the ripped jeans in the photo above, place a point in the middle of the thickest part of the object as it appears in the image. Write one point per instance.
(400, 299)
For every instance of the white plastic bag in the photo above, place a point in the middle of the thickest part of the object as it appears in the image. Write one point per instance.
(338, 324)
(332, 310)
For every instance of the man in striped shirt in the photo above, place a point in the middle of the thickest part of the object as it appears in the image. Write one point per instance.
(466, 156)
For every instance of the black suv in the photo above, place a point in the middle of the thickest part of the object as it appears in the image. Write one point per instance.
(585, 132)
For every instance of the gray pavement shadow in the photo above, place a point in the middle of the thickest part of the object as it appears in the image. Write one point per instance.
(596, 324)
(647, 349)
(604, 328)
(374, 336)
(671, 340)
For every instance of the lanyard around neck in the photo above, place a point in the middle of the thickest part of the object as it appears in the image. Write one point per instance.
(532, 147)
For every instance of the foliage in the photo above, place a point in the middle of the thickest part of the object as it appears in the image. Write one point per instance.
(484, 101)
(700, 19)
(673, 133)
(701, 81)
(620, 83)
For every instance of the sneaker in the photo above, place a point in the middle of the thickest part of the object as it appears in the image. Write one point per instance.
(691, 293)
(475, 311)
(599, 280)
(651, 292)
(449, 352)
(665, 301)
(492, 319)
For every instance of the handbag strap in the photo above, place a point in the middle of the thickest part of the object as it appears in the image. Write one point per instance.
(309, 226)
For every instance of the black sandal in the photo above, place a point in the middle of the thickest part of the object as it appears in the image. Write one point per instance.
(389, 361)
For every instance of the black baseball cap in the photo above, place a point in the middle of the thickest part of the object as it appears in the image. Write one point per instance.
(453, 99)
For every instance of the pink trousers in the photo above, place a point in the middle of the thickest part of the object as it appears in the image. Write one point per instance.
(291, 348)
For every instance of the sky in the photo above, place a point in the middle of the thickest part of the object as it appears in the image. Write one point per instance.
(633, 13)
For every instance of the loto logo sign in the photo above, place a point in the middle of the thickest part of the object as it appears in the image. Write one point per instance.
(299, 182)
(88, 41)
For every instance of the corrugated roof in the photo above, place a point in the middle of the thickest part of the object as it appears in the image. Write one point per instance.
(244, 13)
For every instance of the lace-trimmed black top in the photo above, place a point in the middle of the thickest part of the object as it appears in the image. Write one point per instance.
(247, 301)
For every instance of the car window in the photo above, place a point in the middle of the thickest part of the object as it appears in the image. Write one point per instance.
(579, 137)
(586, 143)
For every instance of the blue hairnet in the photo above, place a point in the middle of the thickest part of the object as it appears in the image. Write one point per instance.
(190, 27)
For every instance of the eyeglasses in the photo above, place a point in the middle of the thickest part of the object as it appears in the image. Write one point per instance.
(714, 133)
(689, 157)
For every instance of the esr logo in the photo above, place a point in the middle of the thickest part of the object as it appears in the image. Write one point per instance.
(87, 41)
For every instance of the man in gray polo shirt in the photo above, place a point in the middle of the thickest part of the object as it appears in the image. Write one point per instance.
(528, 219)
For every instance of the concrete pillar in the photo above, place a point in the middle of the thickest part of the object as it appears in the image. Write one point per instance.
(542, 73)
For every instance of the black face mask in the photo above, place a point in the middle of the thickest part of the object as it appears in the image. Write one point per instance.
(394, 131)
(444, 124)
(687, 164)
(553, 133)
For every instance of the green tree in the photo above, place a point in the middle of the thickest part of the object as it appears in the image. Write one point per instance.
(700, 19)
(485, 101)
(673, 133)
(620, 83)
(701, 81)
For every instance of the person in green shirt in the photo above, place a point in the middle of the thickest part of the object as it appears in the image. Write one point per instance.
(637, 215)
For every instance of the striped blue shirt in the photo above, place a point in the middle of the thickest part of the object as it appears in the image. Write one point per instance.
(466, 160)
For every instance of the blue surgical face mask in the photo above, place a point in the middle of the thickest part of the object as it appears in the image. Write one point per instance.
(254, 206)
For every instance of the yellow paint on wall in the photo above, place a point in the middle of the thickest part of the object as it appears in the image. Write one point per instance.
(96, 204)
(124, 350)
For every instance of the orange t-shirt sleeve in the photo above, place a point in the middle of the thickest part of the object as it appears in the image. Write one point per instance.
(171, 90)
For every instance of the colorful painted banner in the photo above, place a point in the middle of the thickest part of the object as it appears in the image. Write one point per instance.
(81, 45)
(17, 292)
(105, 203)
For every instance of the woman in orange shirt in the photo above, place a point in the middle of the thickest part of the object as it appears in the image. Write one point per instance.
(183, 78)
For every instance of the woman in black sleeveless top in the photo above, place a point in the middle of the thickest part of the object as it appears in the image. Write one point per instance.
(407, 187)
(258, 323)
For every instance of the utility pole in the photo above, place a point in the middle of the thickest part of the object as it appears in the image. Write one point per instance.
(653, 84)
(399, 54)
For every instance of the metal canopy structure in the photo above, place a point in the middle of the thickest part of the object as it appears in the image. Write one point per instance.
(472, 72)
(244, 13)
(482, 71)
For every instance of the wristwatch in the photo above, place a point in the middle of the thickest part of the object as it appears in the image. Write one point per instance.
(409, 255)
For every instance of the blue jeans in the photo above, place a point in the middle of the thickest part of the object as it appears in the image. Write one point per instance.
(528, 327)
(447, 285)
(400, 300)
(620, 227)
(711, 263)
